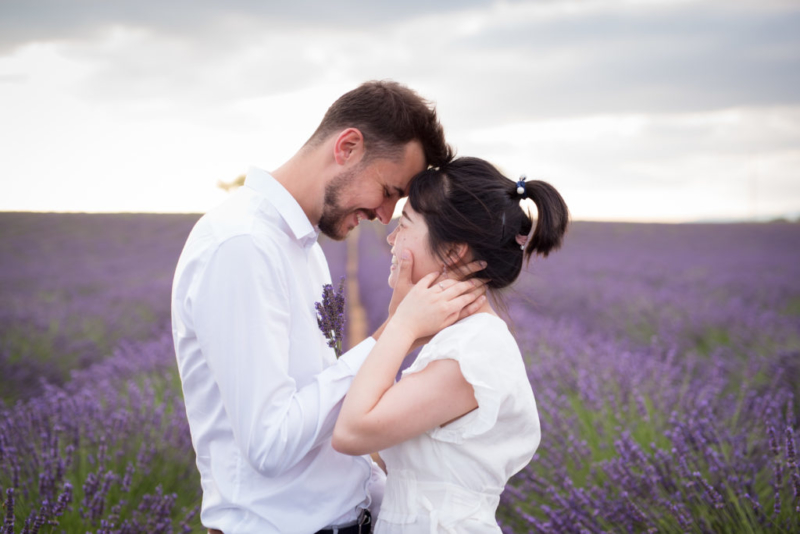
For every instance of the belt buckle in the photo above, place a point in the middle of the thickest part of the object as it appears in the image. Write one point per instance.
(364, 519)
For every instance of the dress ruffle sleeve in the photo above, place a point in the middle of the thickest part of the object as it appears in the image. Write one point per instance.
(473, 351)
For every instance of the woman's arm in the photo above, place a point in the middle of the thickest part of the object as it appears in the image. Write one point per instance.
(377, 413)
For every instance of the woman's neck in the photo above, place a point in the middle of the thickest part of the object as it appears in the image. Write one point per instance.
(487, 308)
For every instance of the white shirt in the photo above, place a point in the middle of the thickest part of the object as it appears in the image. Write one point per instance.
(449, 479)
(261, 386)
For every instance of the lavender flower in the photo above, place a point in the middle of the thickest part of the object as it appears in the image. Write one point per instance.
(8, 524)
(128, 479)
(41, 518)
(654, 352)
(330, 315)
(711, 495)
(64, 499)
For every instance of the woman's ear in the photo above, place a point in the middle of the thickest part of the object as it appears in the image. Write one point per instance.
(458, 255)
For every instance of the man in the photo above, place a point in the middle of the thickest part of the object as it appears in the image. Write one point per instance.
(261, 386)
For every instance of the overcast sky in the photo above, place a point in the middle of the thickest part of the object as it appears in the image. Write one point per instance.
(645, 110)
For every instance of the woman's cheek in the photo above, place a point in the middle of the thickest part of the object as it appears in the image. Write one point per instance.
(394, 270)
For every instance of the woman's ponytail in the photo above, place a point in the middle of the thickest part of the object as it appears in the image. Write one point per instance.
(468, 201)
(551, 224)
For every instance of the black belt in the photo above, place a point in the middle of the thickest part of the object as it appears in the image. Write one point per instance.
(363, 526)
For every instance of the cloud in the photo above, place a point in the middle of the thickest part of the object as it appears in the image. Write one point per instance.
(729, 164)
(26, 21)
(613, 98)
(664, 58)
(13, 78)
(487, 62)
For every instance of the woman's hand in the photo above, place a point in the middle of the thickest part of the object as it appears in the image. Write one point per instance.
(404, 285)
(431, 306)
(377, 413)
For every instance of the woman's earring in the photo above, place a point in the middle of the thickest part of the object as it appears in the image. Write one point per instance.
(444, 270)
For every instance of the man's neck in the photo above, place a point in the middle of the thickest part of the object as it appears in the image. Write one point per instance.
(304, 178)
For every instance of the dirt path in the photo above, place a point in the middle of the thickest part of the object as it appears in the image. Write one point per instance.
(357, 318)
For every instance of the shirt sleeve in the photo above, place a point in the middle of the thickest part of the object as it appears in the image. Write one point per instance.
(242, 319)
(478, 352)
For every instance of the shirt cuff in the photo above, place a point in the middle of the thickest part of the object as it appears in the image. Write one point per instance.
(355, 357)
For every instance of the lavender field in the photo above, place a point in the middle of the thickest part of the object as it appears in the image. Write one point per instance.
(665, 360)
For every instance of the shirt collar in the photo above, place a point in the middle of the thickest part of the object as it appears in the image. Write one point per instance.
(285, 204)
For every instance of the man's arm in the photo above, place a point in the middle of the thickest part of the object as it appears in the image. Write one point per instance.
(243, 321)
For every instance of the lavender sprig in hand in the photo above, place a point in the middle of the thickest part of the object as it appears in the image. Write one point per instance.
(330, 315)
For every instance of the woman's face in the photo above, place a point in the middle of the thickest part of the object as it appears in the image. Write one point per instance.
(412, 234)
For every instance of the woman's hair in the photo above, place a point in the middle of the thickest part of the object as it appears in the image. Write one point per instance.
(469, 201)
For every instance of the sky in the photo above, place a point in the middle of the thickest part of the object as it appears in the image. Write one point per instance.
(637, 110)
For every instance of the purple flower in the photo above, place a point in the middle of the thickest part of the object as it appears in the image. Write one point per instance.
(654, 352)
(8, 525)
(64, 500)
(330, 315)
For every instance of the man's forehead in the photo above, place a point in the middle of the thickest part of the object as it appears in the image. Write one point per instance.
(400, 182)
(397, 173)
(416, 161)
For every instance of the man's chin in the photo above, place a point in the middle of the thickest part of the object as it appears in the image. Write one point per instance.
(336, 233)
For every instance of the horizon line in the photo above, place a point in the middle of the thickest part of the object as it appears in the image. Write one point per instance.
(793, 218)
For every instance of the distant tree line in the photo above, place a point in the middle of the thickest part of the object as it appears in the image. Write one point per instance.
(232, 185)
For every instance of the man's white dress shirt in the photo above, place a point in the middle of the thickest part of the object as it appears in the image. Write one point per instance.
(261, 386)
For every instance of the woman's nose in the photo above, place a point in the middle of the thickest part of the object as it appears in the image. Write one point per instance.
(391, 237)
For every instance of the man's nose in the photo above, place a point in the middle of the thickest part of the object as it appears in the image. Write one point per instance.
(385, 211)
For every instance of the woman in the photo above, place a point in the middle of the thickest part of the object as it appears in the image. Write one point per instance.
(462, 420)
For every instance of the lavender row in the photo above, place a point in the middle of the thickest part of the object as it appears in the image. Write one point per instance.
(665, 361)
(649, 438)
(109, 452)
(73, 285)
(94, 438)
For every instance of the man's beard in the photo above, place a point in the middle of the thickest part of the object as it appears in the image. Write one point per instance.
(333, 215)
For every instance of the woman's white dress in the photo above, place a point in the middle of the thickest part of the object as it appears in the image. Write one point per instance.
(449, 479)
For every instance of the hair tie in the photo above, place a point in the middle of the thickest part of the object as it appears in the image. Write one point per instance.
(521, 186)
(522, 240)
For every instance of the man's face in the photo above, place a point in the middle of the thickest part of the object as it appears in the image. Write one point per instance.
(368, 191)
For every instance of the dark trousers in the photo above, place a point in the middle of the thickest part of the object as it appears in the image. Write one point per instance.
(364, 526)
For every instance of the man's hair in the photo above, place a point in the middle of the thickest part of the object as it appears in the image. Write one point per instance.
(389, 115)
